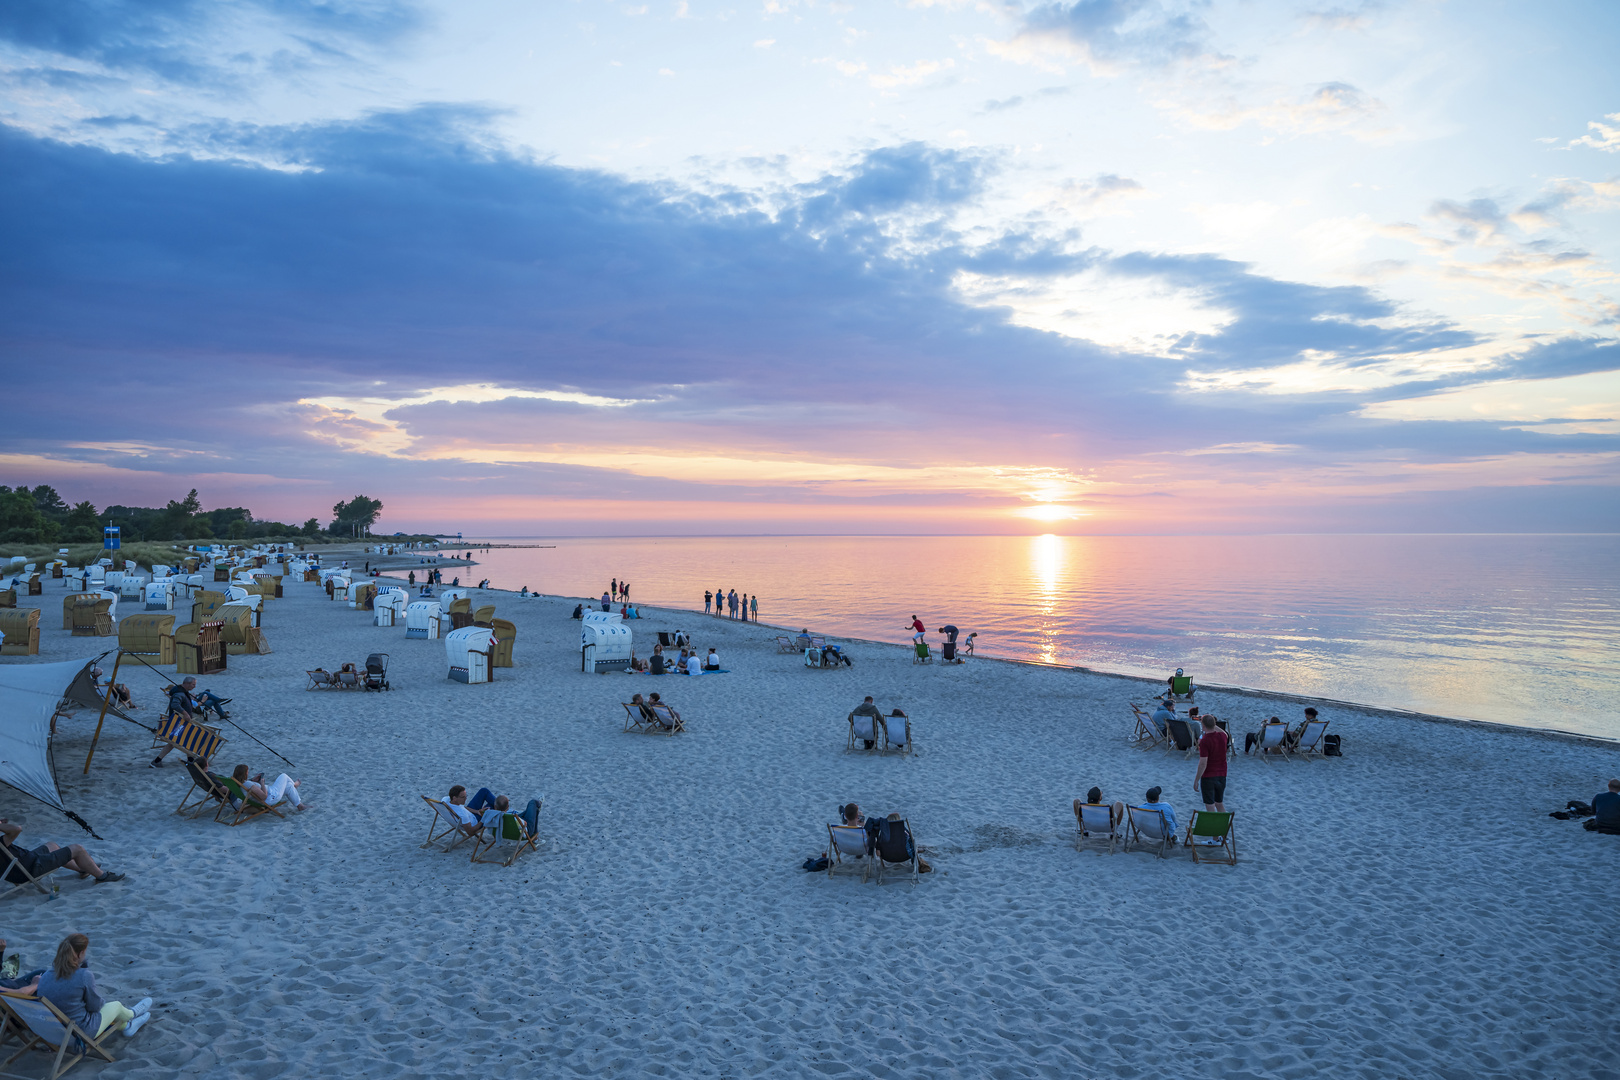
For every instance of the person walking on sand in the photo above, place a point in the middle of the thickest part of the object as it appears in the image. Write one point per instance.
(707, 596)
(1210, 779)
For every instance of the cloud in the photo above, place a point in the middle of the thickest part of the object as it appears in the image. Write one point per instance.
(1328, 107)
(1109, 35)
(1607, 137)
(910, 75)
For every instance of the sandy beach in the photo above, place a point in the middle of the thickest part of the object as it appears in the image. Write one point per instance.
(1407, 910)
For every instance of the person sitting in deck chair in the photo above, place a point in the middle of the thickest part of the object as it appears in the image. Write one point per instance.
(282, 787)
(1094, 797)
(1162, 716)
(877, 827)
(868, 726)
(896, 727)
(48, 857)
(68, 985)
(1153, 803)
(1606, 806)
(183, 705)
(483, 802)
(654, 703)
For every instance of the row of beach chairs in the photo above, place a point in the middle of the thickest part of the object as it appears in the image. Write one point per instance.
(230, 800)
(851, 850)
(1276, 740)
(657, 719)
(1210, 834)
(496, 829)
(877, 730)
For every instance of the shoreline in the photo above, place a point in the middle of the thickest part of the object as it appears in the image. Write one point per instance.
(1150, 683)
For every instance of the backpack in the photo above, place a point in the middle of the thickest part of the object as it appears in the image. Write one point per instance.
(1330, 746)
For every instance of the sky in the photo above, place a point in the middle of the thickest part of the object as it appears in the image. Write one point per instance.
(1109, 266)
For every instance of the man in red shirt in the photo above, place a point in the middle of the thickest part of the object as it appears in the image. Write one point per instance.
(1210, 780)
(917, 625)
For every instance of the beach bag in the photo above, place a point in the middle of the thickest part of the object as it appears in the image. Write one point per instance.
(815, 865)
(1330, 746)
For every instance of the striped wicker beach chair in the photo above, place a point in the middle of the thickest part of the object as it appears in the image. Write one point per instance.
(42, 1027)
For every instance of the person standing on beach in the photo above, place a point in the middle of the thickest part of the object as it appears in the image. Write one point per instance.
(411, 578)
(707, 596)
(719, 601)
(1210, 779)
(731, 602)
(744, 607)
(624, 591)
(614, 588)
(754, 601)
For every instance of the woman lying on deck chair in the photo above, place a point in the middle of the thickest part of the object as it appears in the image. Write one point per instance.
(282, 787)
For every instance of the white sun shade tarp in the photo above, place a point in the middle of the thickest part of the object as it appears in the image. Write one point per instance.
(29, 694)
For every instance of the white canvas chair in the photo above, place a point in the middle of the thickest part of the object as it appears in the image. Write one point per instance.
(40, 1025)
(896, 734)
(666, 721)
(864, 733)
(1146, 735)
(1273, 741)
(1095, 822)
(1310, 742)
(846, 851)
(1147, 828)
(445, 827)
(785, 644)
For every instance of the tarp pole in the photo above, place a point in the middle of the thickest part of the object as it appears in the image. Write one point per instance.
(113, 681)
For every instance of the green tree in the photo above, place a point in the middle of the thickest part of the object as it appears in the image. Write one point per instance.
(49, 503)
(355, 517)
(83, 525)
(20, 519)
(311, 527)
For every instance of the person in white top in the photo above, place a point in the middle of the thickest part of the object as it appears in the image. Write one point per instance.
(711, 662)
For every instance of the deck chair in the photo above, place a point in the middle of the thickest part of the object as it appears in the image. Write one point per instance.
(243, 807)
(1148, 827)
(920, 653)
(817, 642)
(666, 639)
(1146, 735)
(896, 734)
(863, 730)
(1181, 736)
(1210, 831)
(42, 1026)
(28, 878)
(637, 719)
(207, 788)
(347, 680)
(503, 827)
(846, 851)
(1094, 821)
(899, 850)
(1309, 742)
(785, 645)
(320, 679)
(1273, 741)
(666, 721)
(191, 739)
(1181, 687)
(445, 826)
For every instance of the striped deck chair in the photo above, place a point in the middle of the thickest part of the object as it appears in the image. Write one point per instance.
(1308, 743)
(1095, 822)
(445, 826)
(1210, 832)
(503, 827)
(1146, 735)
(41, 1026)
(242, 806)
(192, 739)
(1148, 827)
(206, 787)
(846, 851)
(637, 718)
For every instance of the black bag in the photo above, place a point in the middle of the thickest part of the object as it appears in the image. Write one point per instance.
(1330, 746)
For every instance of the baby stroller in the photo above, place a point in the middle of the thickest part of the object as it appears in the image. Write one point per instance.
(376, 671)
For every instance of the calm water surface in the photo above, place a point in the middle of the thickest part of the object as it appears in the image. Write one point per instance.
(1518, 629)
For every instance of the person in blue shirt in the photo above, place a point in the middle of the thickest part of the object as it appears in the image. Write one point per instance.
(1607, 807)
(1153, 803)
(1163, 715)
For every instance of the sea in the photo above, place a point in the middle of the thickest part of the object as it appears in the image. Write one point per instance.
(1512, 629)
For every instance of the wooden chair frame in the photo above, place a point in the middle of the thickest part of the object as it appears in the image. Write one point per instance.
(1170, 735)
(1310, 741)
(497, 830)
(674, 725)
(1227, 836)
(1089, 830)
(250, 807)
(36, 882)
(16, 1007)
(1146, 734)
(442, 814)
(881, 864)
(1280, 745)
(856, 741)
(638, 720)
(888, 745)
(207, 786)
(846, 863)
(1137, 837)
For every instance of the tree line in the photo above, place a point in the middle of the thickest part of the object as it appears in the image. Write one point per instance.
(39, 515)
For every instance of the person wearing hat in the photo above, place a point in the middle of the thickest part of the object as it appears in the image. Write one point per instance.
(1153, 803)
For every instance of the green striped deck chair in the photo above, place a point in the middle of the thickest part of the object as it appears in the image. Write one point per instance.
(503, 828)
(242, 806)
(1210, 832)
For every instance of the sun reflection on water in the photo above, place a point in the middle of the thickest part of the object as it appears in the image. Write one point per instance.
(1048, 554)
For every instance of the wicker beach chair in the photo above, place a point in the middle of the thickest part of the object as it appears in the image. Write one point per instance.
(1095, 822)
(1147, 828)
(1309, 742)
(243, 807)
(846, 851)
(41, 1026)
(503, 827)
(1210, 833)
